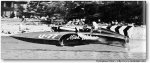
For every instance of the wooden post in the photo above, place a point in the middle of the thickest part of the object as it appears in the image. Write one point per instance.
(4, 4)
(12, 4)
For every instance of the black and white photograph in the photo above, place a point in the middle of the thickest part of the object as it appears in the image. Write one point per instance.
(104, 31)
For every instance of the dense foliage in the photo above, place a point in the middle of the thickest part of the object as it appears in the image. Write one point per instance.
(120, 11)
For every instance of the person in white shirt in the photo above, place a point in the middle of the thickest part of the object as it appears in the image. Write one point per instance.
(95, 25)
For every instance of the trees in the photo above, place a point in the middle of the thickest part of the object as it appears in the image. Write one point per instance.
(127, 11)
(20, 10)
(47, 8)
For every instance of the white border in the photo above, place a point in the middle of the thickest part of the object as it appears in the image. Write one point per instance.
(74, 0)
(82, 61)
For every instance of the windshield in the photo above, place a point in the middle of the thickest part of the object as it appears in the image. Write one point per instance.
(76, 23)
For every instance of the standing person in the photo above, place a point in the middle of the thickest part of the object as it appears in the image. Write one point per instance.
(116, 22)
(100, 25)
(112, 23)
(23, 19)
(94, 27)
